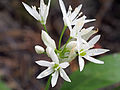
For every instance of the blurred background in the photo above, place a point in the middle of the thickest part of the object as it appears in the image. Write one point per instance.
(20, 32)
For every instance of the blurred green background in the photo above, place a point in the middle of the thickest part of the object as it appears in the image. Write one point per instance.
(20, 32)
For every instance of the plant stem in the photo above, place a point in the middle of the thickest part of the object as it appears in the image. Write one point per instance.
(45, 28)
(61, 36)
(48, 83)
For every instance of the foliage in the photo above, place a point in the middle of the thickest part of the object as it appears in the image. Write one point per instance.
(96, 76)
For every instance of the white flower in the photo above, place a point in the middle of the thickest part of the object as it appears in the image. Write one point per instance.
(39, 49)
(43, 11)
(71, 18)
(48, 41)
(54, 68)
(84, 51)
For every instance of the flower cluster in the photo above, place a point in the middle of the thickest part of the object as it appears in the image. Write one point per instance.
(79, 42)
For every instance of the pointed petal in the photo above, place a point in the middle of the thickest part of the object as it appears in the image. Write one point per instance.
(89, 34)
(71, 44)
(32, 11)
(52, 55)
(81, 63)
(79, 42)
(76, 12)
(62, 6)
(89, 20)
(44, 63)
(87, 30)
(93, 41)
(45, 73)
(78, 26)
(64, 75)
(94, 52)
(93, 60)
(47, 11)
(48, 41)
(64, 65)
(54, 78)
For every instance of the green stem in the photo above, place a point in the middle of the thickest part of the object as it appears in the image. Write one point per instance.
(68, 41)
(61, 36)
(48, 83)
(45, 28)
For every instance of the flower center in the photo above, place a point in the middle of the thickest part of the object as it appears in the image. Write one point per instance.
(56, 67)
(82, 52)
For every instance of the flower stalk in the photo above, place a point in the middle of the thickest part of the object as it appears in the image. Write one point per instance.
(61, 36)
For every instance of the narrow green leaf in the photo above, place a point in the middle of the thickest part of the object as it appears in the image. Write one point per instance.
(95, 76)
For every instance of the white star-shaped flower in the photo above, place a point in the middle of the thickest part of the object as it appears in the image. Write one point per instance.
(54, 68)
(43, 11)
(84, 51)
(71, 18)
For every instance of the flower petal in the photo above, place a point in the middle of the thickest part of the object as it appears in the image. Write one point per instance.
(54, 78)
(47, 11)
(32, 11)
(89, 34)
(76, 12)
(94, 52)
(93, 41)
(93, 60)
(64, 65)
(48, 41)
(45, 73)
(87, 30)
(44, 63)
(52, 55)
(64, 75)
(81, 63)
(62, 6)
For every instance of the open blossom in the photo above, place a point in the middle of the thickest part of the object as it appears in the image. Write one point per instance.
(43, 11)
(71, 18)
(84, 51)
(54, 68)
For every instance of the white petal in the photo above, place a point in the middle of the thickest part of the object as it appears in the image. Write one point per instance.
(48, 41)
(47, 11)
(79, 42)
(93, 41)
(87, 30)
(78, 26)
(44, 63)
(52, 55)
(79, 19)
(93, 60)
(64, 65)
(71, 45)
(81, 63)
(45, 73)
(89, 34)
(89, 20)
(32, 11)
(62, 6)
(76, 12)
(64, 75)
(94, 52)
(39, 49)
(54, 78)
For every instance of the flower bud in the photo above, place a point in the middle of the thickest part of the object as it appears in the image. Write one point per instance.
(39, 49)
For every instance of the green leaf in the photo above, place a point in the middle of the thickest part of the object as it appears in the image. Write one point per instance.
(3, 86)
(95, 76)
